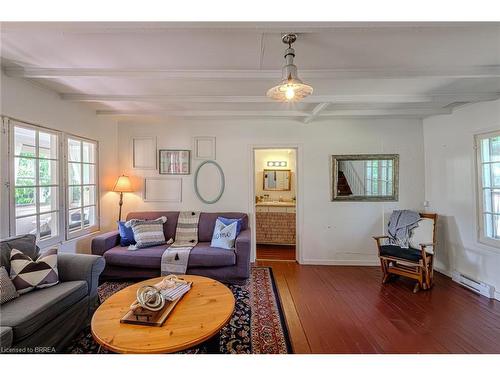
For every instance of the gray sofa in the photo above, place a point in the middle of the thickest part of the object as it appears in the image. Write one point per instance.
(47, 319)
(228, 266)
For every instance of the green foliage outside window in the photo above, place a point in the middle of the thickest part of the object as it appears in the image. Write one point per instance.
(25, 177)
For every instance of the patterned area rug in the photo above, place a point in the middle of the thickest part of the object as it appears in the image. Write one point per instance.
(257, 325)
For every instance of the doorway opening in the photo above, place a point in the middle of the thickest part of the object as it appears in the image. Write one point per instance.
(275, 193)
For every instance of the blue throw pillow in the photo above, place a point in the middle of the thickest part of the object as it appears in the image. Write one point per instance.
(227, 221)
(126, 234)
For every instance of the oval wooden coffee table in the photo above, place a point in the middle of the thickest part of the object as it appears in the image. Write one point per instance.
(198, 316)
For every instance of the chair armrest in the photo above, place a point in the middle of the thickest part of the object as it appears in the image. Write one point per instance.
(424, 248)
(376, 238)
(242, 250)
(104, 242)
(427, 244)
(83, 267)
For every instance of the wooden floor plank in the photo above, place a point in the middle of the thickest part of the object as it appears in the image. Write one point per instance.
(341, 309)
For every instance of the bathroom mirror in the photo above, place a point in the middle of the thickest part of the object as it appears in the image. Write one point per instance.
(277, 179)
(206, 186)
(370, 178)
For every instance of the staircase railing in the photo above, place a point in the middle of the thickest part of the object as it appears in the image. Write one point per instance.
(355, 183)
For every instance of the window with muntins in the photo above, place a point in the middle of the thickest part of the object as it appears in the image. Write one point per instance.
(488, 156)
(82, 215)
(51, 186)
(35, 182)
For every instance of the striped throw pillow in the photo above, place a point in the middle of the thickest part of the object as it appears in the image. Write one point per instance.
(27, 274)
(147, 232)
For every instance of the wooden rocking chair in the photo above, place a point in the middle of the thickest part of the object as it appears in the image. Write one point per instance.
(416, 262)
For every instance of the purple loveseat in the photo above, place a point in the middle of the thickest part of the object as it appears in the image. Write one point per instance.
(229, 266)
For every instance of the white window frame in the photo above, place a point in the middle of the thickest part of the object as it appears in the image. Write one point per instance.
(482, 238)
(7, 148)
(381, 184)
(42, 242)
(93, 228)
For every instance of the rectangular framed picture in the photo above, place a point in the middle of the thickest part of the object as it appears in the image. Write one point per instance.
(175, 161)
(162, 189)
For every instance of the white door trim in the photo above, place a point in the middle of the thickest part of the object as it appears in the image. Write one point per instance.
(299, 257)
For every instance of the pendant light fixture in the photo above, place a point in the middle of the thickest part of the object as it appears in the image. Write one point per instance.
(291, 88)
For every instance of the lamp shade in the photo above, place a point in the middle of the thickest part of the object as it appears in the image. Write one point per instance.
(123, 184)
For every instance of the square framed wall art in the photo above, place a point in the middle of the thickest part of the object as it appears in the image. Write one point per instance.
(174, 161)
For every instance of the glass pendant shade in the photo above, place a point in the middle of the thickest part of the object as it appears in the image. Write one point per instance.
(291, 88)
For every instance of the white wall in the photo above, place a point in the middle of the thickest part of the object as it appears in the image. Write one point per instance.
(28, 102)
(261, 159)
(450, 175)
(332, 232)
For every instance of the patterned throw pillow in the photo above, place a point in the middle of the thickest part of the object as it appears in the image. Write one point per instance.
(224, 235)
(28, 274)
(7, 289)
(147, 232)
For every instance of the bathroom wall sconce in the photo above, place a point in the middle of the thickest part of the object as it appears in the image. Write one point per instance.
(276, 163)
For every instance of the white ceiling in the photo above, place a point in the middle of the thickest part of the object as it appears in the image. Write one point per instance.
(224, 69)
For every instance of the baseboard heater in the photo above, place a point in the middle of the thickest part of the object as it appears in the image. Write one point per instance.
(474, 285)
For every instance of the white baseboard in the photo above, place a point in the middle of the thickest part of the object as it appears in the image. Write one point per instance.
(325, 262)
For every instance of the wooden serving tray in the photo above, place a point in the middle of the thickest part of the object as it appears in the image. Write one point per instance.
(146, 317)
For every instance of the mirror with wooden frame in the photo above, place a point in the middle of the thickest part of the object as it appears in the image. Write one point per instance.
(277, 179)
(370, 178)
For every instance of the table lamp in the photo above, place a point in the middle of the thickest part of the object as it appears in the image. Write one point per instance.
(122, 185)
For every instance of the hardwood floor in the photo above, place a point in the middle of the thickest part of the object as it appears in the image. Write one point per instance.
(275, 252)
(340, 309)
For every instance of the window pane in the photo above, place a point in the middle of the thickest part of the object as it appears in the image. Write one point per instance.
(47, 145)
(74, 196)
(24, 171)
(495, 148)
(24, 141)
(74, 220)
(49, 225)
(488, 225)
(88, 152)
(25, 201)
(74, 150)
(89, 216)
(48, 172)
(74, 173)
(49, 199)
(485, 150)
(88, 174)
(26, 225)
(88, 195)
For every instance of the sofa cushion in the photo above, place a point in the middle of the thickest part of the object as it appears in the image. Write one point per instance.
(149, 257)
(6, 337)
(410, 254)
(202, 255)
(205, 226)
(31, 311)
(25, 243)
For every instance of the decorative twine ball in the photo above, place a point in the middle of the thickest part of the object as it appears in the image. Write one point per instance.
(150, 298)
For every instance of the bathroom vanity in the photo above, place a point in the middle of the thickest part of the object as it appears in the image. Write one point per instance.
(275, 222)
